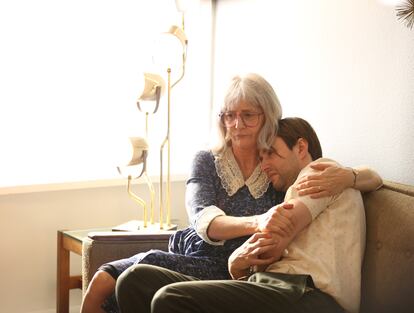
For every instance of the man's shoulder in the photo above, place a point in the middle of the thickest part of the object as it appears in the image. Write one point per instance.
(315, 206)
(325, 160)
(308, 169)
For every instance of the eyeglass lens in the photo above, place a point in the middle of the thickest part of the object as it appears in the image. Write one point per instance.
(249, 119)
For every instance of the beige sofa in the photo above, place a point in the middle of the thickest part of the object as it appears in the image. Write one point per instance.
(388, 270)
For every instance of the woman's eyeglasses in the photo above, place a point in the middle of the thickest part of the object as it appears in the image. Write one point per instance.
(249, 119)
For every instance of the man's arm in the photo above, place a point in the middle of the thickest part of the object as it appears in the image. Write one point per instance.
(265, 248)
(301, 218)
(248, 254)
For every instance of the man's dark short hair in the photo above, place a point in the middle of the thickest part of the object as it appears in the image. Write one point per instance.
(293, 128)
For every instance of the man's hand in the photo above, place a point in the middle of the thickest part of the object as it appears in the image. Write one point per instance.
(279, 220)
(275, 252)
(249, 254)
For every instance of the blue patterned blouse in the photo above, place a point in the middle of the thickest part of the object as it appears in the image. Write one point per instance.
(205, 189)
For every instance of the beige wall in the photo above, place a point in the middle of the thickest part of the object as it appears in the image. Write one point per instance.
(28, 226)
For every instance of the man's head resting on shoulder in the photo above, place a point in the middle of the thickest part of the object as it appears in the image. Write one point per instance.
(295, 146)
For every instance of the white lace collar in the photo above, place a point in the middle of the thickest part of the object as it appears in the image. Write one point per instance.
(232, 178)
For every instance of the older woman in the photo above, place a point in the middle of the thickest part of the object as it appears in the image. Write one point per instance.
(228, 196)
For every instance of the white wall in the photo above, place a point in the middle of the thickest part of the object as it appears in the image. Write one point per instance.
(28, 227)
(347, 66)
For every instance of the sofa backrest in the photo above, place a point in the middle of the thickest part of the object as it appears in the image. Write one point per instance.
(388, 269)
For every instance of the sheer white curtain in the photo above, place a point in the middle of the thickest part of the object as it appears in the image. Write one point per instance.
(68, 80)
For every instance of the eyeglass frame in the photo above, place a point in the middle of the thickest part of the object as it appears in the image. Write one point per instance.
(239, 115)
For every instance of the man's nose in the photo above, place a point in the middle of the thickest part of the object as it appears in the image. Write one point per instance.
(263, 164)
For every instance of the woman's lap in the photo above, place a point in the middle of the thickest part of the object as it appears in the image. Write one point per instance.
(199, 267)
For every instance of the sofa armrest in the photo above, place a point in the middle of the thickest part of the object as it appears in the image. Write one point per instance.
(388, 269)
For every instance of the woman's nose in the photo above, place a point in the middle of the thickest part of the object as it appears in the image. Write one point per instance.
(239, 122)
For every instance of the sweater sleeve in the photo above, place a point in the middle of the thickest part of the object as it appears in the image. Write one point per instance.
(201, 195)
(203, 221)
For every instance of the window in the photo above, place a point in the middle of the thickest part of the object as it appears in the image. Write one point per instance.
(69, 73)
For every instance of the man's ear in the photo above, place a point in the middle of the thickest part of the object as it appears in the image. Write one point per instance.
(302, 145)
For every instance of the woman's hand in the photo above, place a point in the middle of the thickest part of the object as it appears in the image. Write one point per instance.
(330, 180)
(249, 254)
(277, 219)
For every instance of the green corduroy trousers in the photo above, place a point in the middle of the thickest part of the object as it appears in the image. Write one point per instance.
(147, 288)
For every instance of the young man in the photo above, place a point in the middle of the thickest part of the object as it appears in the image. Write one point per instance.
(331, 248)
(320, 269)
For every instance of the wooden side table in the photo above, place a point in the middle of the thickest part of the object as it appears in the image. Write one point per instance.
(67, 241)
(73, 240)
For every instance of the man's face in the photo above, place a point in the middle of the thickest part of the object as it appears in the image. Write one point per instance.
(281, 164)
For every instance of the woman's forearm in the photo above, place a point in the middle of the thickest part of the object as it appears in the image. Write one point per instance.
(330, 179)
(230, 227)
(277, 219)
(366, 179)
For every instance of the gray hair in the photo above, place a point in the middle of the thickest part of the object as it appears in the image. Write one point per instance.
(255, 90)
